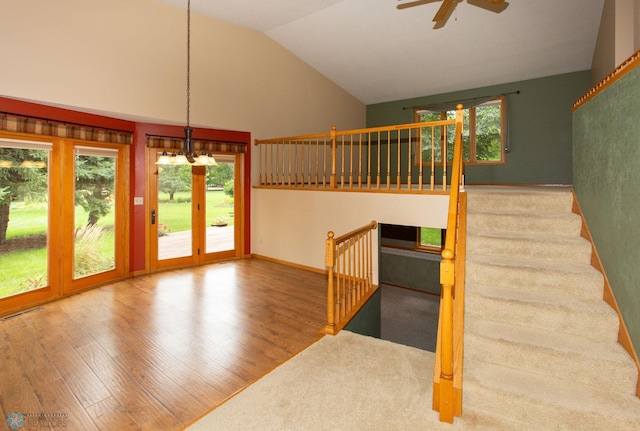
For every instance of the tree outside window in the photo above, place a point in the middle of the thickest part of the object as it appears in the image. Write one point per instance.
(482, 138)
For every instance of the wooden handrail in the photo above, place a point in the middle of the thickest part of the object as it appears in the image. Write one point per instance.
(349, 261)
(354, 160)
(447, 390)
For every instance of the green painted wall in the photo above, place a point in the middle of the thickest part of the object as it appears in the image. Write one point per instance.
(539, 127)
(368, 320)
(606, 178)
(411, 269)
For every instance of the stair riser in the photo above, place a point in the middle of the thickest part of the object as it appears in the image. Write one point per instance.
(567, 252)
(567, 366)
(587, 285)
(565, 225)
(497, 411)
(597, 327)
(519, 202)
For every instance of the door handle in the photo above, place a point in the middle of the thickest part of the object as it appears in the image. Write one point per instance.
(153, 216)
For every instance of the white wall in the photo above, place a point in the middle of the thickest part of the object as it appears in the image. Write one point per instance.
(292, 225)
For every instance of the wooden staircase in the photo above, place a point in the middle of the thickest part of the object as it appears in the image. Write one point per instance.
(540, 343)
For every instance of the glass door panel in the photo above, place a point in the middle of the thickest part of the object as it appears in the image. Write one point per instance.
(95, 197)
(24, 216)
(219, 205)
(173, 217)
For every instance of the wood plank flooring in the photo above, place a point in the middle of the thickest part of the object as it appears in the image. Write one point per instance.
(156, 352)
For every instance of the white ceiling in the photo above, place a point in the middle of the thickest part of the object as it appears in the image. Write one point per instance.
(379, 53)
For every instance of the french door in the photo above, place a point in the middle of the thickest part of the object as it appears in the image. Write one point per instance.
(62, 217)
(194, 212)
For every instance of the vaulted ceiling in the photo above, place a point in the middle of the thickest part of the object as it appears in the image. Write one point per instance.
(379, 53)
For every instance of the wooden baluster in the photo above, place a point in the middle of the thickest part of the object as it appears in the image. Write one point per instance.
(360, 160)
(324, 163)
(433, 158)
(379, 171)
(389, 160)
(288, 164)
(444, 159)
(398, 177)
(308, 146)
(275, 166)
(298, 174)
(342, 167)
(350, 161)
(419, 158)
(409, 160)
(369, 161)
(317, 146)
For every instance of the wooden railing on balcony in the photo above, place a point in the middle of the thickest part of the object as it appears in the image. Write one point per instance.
(447, 378)
(350, 276)
(399, 158)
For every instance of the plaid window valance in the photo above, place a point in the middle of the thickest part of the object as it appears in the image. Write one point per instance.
(40, 126)
(198, 145)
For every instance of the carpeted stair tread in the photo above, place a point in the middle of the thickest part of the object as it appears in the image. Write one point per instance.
(533, 223)
(532, 402)
(521, 199)
(566, 357)
(544, 276)
(555, 248)
(593, 319)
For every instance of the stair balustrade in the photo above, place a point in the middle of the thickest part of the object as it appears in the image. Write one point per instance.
(398, 158)
(349, 261)
(447, 379)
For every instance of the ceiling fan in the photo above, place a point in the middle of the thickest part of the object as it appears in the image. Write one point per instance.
(448, 6)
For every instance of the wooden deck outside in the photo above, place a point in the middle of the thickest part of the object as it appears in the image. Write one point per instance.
(156, 352)
(178, 244)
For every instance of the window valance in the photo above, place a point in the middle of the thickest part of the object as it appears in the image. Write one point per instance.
(210, 146)
(41, 126)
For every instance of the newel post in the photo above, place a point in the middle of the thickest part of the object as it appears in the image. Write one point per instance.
(446, 363)
(334, 148)
(330, 327)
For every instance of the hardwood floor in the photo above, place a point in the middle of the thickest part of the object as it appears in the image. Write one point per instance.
(156, 352)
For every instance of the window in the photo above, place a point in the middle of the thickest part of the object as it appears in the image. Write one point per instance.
(424, 239)
(483, 134)
(431, 239)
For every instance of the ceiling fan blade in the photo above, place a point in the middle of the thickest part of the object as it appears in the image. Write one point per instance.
(496, 6)
(445, 11)
(414, 3)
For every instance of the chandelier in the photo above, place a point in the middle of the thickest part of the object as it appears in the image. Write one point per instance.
(187, 154)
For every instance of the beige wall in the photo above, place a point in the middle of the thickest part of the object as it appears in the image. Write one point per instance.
(618, 36)
(292, 225)
(127, 58)
(636, 25)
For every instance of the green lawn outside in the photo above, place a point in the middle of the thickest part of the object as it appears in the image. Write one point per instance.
(21, 270)
(172, 214)
(19, 267)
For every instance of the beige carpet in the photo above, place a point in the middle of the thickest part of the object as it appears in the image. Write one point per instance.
(540, 344)
(343, 382)
(541, 349)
